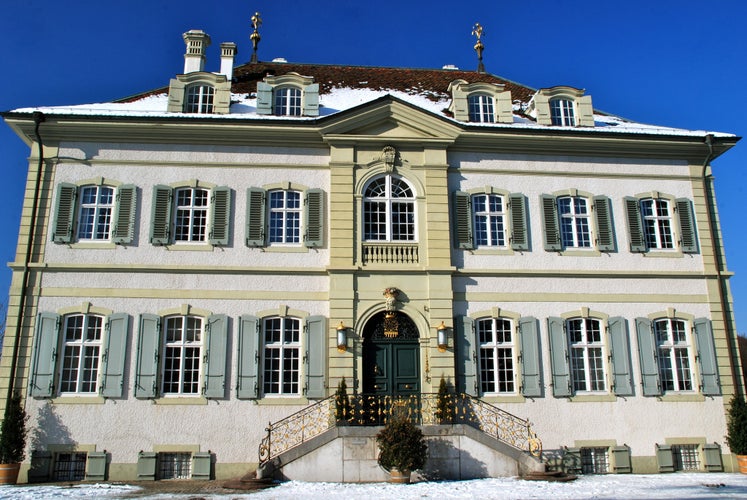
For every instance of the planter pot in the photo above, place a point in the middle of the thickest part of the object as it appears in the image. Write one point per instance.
(742, 463)
(399, 476)
(9, 473)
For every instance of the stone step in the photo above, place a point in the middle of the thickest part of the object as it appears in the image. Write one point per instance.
(250, 482)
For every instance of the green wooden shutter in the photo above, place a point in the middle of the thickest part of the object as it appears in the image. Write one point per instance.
(466, 356)
(688, 234)
(202, 465)
(96, 466)
(255, 217)
(215, 356)
(64, 214)
(311, 100)
(605, 228)
(115, 350)
(248, 359)
(264, 98)
(621, 460)
(712, 457)
(709, 382)
(561, 375)
(531, 374)
(635, 226)
(463, 220)
(647, 355)
(665, 458)
(148, 344)
(620, 353)
(314, 218)
(316, 349)
(519, 222)
(550, 223)
(160, 215)
(124, 215)
(44, 355)
(146, 465)
(40, 466)
(220, 216)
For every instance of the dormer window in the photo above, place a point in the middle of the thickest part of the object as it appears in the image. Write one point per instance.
(199, 99)
(287, 102)
(288, 95)
(481, 108)
(561, 107)
(562, 112)
(480, 102)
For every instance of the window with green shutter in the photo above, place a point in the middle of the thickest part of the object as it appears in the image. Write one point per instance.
(617, 329)
(216, 341)
(648, 357)
(160, 219)
(44, 355)
(248, 358)
(149, 341)
(519, 222)
(114, 356)
(665, 458)
(462, 221)
(707, 363)
(64, 215)
(621, 462)
(550, 223)
(125, 211)
(220, 216)
(529, 356)
(314, 218)
(688, 235)
(315, 345)
(605, 230)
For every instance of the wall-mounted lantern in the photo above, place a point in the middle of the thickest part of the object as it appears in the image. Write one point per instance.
(443, 336)
(342, 337)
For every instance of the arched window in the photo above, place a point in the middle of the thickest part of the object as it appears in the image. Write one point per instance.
(575, 231)
(81, 350)
(586, 354)
(481, 108)
(287, 102)
(281, 358)
(562, 112)
(496, 344)
(199, 99)
(182, 355)
(388, 210)
(674, 354)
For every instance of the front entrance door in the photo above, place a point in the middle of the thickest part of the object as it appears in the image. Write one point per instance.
(391, 364)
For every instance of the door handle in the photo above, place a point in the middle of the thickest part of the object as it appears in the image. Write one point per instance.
(376, 386)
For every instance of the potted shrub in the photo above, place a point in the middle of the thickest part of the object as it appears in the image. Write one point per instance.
(12, 440)
(343, 409)
(402, 448)
(736, 431)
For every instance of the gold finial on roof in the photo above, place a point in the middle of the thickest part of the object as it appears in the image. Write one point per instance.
(255, 37)
(477, 30)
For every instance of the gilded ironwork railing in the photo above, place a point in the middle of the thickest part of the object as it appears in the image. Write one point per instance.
(390, 253)
(422, 409)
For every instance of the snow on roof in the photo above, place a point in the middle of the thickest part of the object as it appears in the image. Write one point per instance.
(243, 106)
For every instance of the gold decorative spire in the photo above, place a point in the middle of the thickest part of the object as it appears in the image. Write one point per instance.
(255, 37)
(479, 47)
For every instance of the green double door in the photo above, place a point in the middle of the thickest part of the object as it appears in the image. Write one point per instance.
(391, 365)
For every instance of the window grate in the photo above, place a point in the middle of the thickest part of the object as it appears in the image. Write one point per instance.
(70, 467)
(174, 465)
(686, 457)
(595, 460)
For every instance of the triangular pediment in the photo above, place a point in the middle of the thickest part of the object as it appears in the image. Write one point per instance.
(390, 118)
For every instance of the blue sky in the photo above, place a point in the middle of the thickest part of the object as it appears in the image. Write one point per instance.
(678, 63)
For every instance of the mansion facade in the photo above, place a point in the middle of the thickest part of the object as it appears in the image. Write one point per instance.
(199, 260)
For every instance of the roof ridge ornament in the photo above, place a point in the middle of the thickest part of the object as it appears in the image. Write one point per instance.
(255, 36)
(477, 30)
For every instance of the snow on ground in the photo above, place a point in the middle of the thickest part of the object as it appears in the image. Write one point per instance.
(680, 485)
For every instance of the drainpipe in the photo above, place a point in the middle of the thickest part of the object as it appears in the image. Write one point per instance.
(38, 118)
(718, 257)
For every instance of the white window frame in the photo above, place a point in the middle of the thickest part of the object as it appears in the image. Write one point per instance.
(587, 355)
(489, 220)
(73, 367)
(563, 112)
(182, 350)
(574, 214)
(278, 378)
(499, 347)
(199, 99)
(287, 101)
(95, 218)
(657, 218)
(284, 220)
(383, 201)
(191, 219)
(676, 364)
(481, 108)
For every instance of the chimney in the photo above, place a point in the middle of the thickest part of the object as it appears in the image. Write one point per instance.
(227, 53)
(194, 59)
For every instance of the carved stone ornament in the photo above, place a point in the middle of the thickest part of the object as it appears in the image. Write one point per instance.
(391, 298)
(389, 157)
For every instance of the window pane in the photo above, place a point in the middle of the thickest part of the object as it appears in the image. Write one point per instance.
(95, 212)
(81, 350)
(182, 355)
(281, 358)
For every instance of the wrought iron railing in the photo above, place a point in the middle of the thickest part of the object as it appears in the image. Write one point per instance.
(422, 409)
(390, 253)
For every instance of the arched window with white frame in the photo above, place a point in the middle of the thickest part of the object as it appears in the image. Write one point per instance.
(287, 101)
(562, 112)
(199, 99)
(389, 210)
(481, 108)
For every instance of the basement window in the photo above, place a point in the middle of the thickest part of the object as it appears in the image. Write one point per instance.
(174, 465)
(70, 467)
